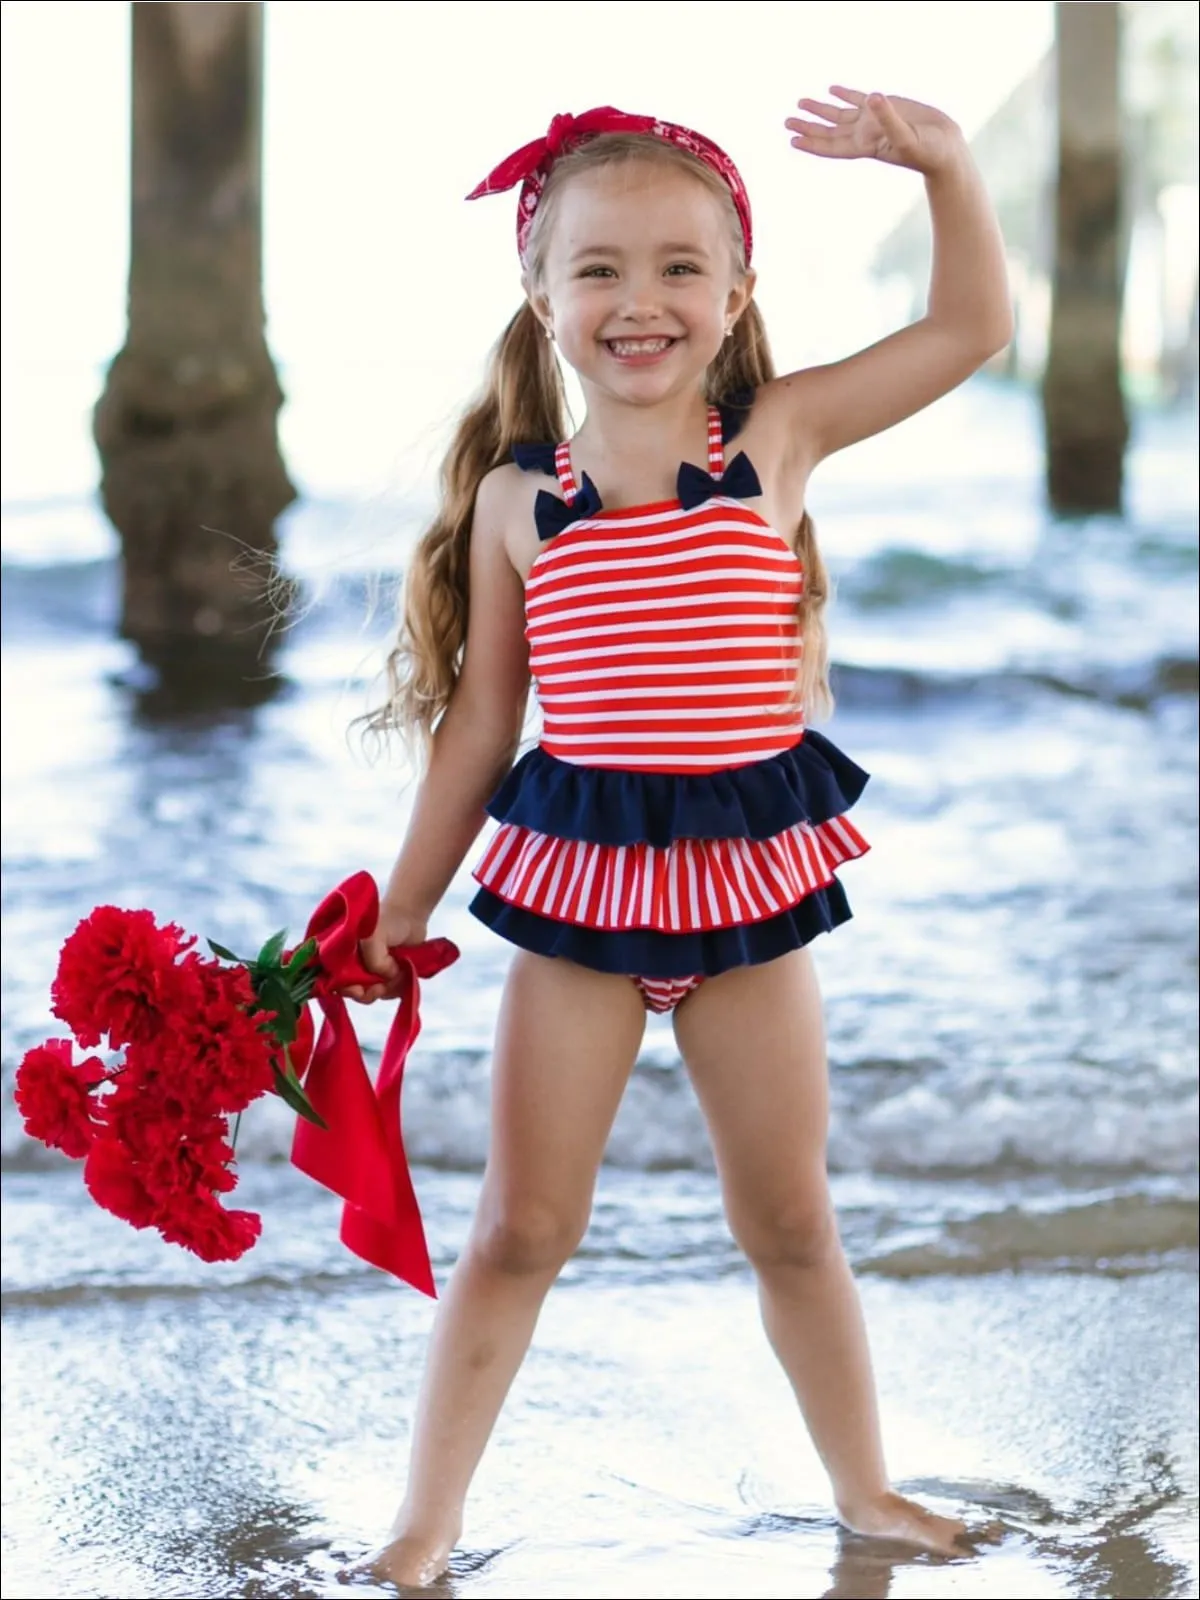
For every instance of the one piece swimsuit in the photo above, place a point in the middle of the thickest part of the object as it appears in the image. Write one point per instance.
(676, 819)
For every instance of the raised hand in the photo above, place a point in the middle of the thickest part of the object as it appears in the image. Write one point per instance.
(888, 128)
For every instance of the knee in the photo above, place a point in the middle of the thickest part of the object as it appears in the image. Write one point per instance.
(797, 1232)
(526, 1238)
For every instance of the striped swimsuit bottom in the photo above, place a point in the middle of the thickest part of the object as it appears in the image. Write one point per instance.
(676, 819)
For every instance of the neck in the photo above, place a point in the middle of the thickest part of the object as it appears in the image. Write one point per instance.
(670, 430)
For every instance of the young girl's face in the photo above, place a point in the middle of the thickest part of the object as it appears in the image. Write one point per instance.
(640, 281)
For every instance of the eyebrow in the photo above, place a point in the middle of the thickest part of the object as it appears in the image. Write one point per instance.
(668, 249)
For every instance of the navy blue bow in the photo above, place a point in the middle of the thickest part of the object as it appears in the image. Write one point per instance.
(739, 481)
(551, 515)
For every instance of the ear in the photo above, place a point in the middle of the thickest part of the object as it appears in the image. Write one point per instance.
(740, 297)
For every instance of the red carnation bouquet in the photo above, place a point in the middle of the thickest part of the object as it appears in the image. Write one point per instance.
(193, 1040)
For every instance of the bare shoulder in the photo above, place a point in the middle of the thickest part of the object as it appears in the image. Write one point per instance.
(504, 514)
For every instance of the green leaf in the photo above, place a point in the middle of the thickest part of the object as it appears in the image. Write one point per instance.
(225, 955)
(290, 1092)
(302, 956)
(273, 995)
(270, 953)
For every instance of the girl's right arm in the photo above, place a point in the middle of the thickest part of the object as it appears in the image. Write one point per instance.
(473, 745)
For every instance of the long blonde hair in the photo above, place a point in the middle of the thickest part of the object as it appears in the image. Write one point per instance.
(524, 402)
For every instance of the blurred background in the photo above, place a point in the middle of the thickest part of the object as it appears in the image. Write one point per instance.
(270, 374)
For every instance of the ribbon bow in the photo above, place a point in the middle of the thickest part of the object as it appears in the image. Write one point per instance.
(564, 132)
(739, 481)
(360, 1153)
(551, 515)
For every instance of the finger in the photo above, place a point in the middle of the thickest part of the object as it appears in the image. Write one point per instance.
(854, 97)
(825, 143)
(364, 996)
(831, 113)
(893, 124)
(377, 959)
(801, 125)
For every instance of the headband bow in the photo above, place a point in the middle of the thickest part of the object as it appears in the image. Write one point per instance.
(530, 165)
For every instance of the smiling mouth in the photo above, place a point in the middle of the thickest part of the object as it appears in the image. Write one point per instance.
(625, 348)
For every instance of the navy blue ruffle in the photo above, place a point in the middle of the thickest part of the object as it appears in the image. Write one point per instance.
(811, 782)
(645, 953)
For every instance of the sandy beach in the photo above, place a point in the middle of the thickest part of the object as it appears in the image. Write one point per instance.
(171, 1435)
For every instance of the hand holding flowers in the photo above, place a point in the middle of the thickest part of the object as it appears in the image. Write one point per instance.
(192, 1041)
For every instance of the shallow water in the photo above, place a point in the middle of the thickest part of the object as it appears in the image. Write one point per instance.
(248, 1440)
(1013, 1035)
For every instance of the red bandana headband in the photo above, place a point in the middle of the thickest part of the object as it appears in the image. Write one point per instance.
(530, 165)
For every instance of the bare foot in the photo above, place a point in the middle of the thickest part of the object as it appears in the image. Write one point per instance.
(408, 1562)
(891, 1516)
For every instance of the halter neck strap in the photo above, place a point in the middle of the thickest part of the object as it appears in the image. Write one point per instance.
(716, 442)
(565, 474)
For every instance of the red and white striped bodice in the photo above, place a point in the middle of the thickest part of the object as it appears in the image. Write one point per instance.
(663, 639)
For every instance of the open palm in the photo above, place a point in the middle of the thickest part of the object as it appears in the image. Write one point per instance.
(888, 128)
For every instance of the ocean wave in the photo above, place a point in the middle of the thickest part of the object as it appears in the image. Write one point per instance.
(1133, 685)
(82, 598)
(61, 1250)
(901, 1118)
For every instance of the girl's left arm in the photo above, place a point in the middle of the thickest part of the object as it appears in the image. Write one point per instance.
(969, 314)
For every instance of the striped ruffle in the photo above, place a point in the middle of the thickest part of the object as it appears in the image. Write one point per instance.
(812, 782)
(693, 886)
(643, 952)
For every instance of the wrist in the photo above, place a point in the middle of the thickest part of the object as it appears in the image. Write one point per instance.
(399, 902)
(951, 164)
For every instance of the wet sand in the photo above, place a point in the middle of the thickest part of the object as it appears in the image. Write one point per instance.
(209, 1436)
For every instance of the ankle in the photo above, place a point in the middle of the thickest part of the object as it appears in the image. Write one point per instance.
(426, 1530)
(857, 1504)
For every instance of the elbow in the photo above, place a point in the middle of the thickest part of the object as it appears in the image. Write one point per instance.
(995, 330)
(999, 334)
(983, 344)
(979, 338)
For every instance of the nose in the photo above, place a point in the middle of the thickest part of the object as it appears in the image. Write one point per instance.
(641, 300)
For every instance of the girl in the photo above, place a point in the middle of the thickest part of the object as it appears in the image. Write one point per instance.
(671, 843)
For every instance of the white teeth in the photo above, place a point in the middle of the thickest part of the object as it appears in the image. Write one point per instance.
(638, 347)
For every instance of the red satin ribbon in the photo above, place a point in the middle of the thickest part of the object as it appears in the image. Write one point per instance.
(360, 1154)
(564, 131)
(530, 165)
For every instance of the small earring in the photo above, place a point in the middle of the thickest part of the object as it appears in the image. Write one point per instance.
(550, 333)
(729, 330)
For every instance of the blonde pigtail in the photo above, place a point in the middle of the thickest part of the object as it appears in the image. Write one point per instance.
(522, 401)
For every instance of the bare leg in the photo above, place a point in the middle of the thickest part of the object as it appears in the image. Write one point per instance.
(566, 1042)
(754, 1044)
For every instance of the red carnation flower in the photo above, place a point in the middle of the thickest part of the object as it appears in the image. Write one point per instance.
(173, 1147)
(217, 1050)
(113, 1182)
(202, 1225)
(54, 1096)
(117, 976)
